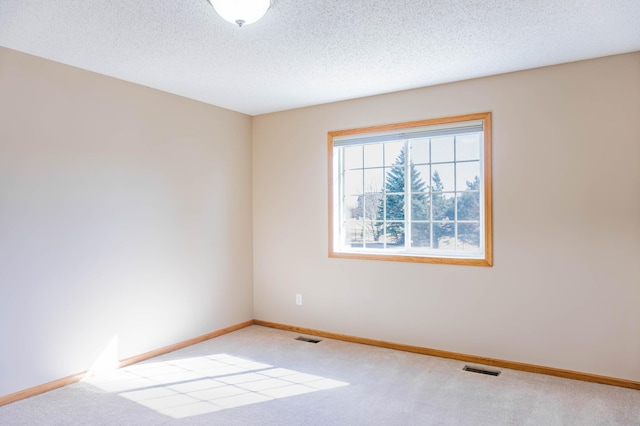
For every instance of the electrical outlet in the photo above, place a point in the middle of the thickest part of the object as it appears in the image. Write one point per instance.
(298, 299)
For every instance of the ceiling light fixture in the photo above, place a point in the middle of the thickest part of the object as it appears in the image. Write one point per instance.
(241, 12)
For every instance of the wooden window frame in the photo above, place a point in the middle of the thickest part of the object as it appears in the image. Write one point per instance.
(487, 260)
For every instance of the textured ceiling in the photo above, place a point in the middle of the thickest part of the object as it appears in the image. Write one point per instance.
(307, 52)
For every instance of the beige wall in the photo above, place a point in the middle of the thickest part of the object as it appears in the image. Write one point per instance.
(565, 288)
(124, 211)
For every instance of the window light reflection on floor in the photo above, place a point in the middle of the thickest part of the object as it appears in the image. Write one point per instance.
(191, 386)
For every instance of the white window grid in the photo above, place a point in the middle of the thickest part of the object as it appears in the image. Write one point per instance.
(407, 194)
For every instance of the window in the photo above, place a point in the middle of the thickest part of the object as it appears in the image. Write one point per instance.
(413, 192)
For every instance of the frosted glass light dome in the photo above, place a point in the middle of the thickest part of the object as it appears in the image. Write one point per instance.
(241, 12)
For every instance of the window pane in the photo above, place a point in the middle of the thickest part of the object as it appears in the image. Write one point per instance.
(395, 234)
(378, 236)
(467, 176)
(373, 234)
(442, 149)
(469, 236)
(467, 147)
(419, 178)
(420, 207)
(353, 233)
(353, 182)
(468, 206)
(352, 157)
(418, 183)
(419, 149)
(373, 155)
(392, 151)
(353, 207)
(443, 233)
(373, 206)
(373, 180)
(394, 179)
(442, 177)
(442, 206)
(395, 207)
(420, 235)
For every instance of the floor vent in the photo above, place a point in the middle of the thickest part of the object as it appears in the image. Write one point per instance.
(308, 339)
(481, 370)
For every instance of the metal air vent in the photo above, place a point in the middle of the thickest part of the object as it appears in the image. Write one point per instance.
(308, 339)
(481, 370)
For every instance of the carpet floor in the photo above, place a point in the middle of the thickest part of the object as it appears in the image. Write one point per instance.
(263, 376)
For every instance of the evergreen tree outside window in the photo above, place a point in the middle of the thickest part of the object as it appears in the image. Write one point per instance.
(418, 191)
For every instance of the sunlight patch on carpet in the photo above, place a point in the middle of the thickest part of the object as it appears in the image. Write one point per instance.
(191, 386)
